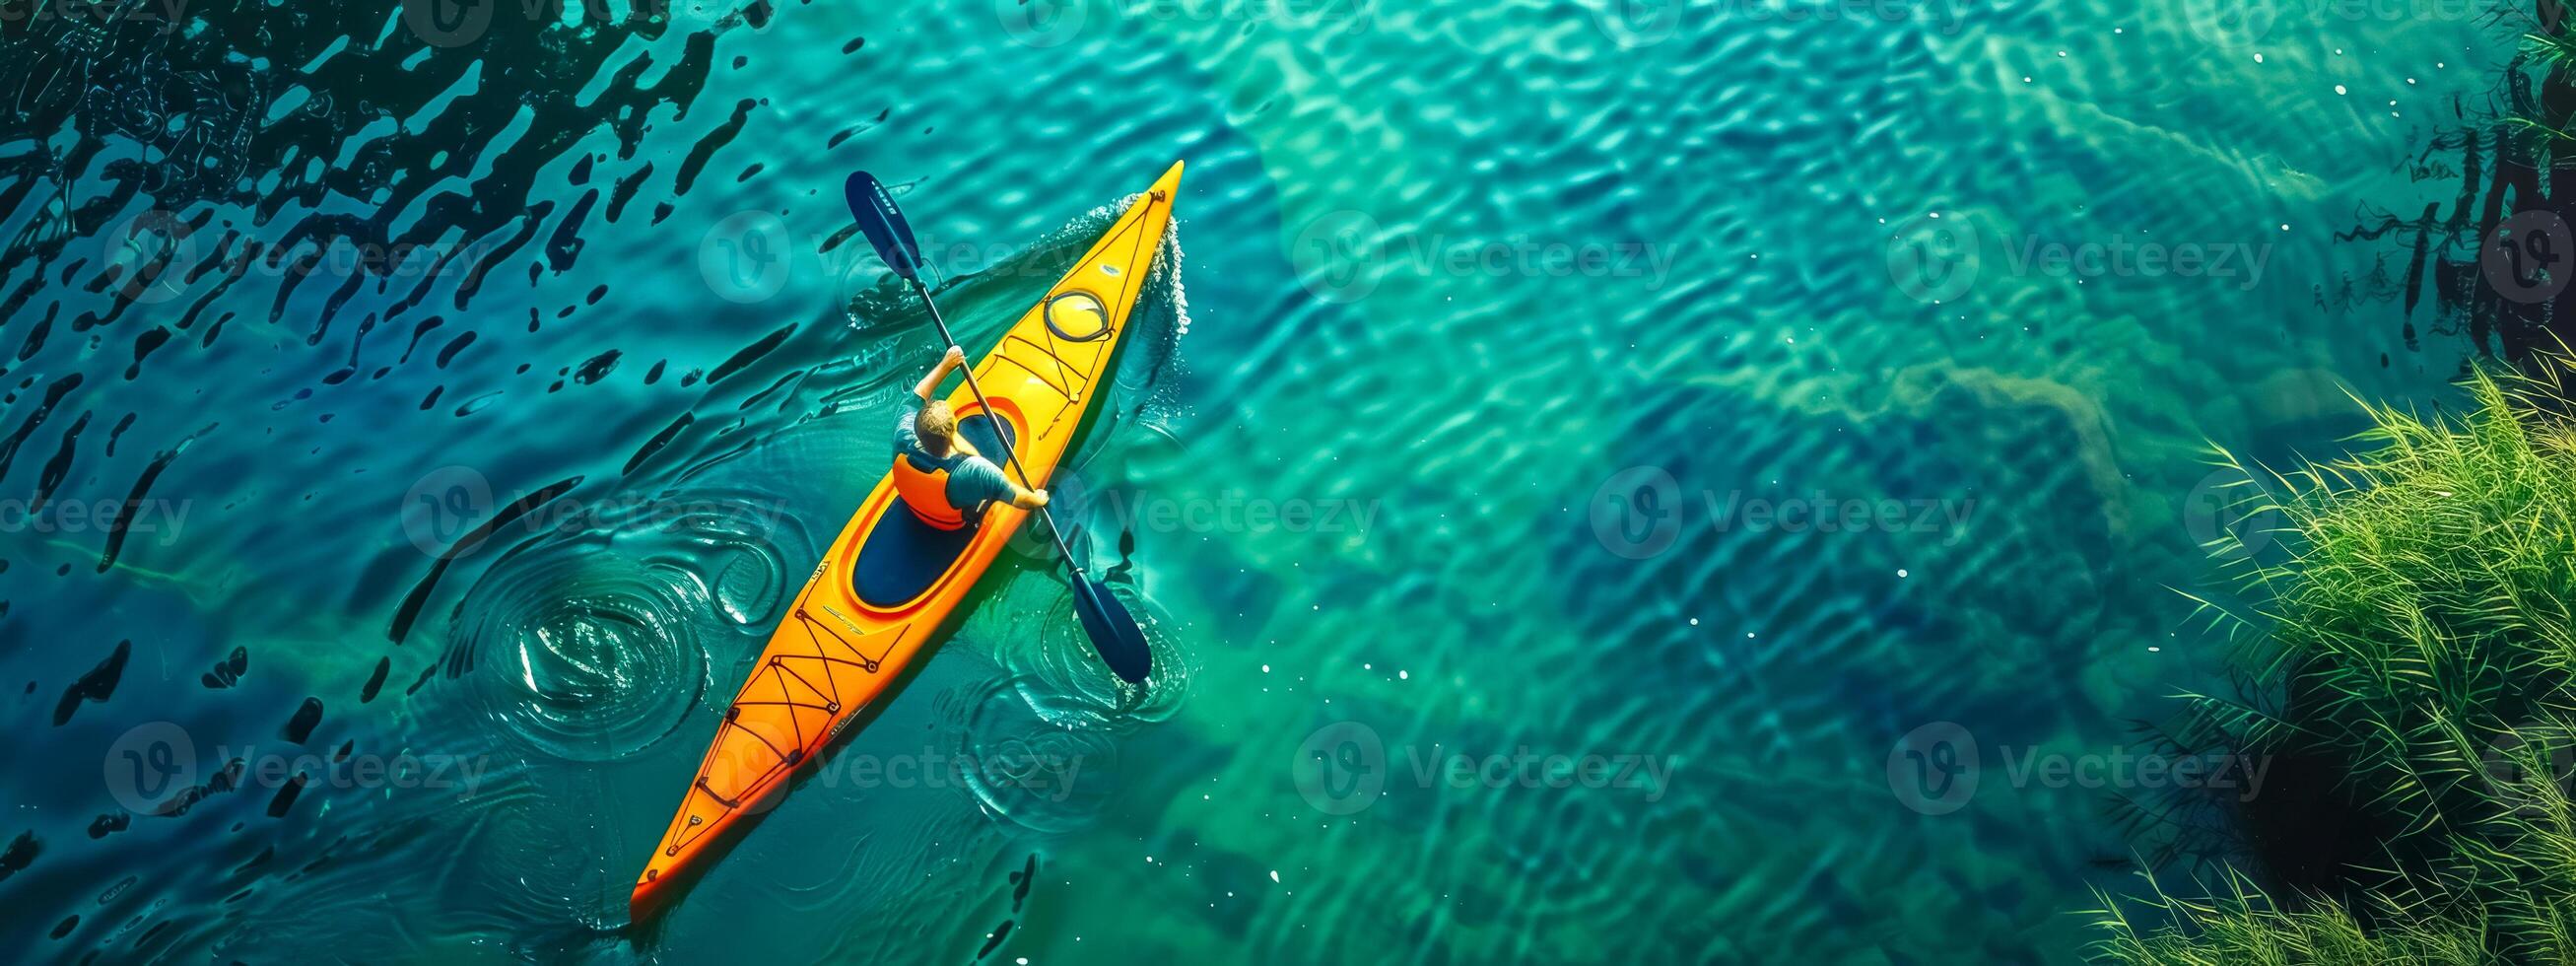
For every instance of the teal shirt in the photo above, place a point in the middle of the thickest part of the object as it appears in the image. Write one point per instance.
(971, 482)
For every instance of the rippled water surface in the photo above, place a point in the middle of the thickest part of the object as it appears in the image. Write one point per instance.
(422, 583)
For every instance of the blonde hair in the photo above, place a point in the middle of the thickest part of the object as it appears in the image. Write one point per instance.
(936, 424)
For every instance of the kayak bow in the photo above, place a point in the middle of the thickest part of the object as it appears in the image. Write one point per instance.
(889, 585)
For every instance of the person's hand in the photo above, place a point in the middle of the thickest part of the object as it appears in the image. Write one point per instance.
(1037, 499)
(956, 357)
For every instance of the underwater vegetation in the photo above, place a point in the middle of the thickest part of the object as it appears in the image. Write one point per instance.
(2410, 668)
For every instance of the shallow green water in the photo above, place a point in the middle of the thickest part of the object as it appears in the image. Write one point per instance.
(1540, 380)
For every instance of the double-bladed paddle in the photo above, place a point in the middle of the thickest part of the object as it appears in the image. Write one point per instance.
(1113, 632)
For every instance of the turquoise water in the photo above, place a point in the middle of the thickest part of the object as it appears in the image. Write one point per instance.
(1508, 369)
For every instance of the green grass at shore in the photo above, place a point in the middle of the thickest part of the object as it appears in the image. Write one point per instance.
(2419, 638)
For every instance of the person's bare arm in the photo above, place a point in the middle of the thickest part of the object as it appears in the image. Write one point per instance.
(947, 364)
(1027, 499)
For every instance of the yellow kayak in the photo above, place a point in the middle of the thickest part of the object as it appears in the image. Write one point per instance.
(890, 582)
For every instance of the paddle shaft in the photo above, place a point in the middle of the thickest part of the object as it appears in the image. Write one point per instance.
(1009, 457)
(1104, 620)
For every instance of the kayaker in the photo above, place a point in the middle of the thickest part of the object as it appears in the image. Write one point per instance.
(937, 471)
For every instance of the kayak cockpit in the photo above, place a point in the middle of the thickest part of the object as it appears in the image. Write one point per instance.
(902, 557)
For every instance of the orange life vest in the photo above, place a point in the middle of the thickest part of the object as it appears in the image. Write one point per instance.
(922, 482)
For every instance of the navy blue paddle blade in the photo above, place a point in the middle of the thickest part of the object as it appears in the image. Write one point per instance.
(883, 223)
(1113, 632)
